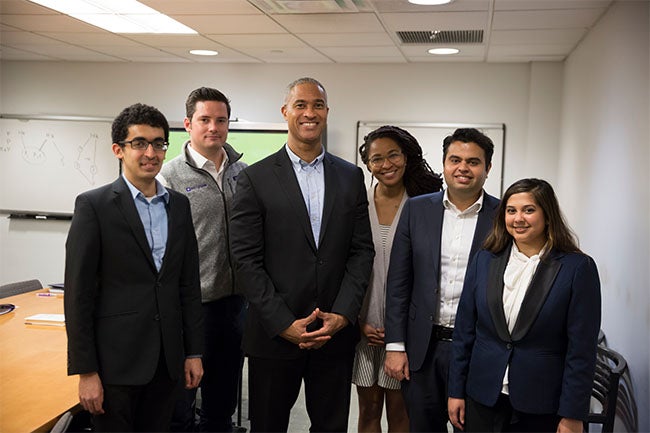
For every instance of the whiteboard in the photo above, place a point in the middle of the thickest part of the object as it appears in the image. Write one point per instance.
(431, 135)
(45, 164)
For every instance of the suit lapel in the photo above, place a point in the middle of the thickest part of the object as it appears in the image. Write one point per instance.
(495, 293)
(437, 211)
(124, 202)
(331, 187)
(535, 296)
(287, 177)
(483, 224)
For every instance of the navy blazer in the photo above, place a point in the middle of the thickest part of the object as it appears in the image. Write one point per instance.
(282, 272)
(120, 311)
(413, 284)
(552, 348)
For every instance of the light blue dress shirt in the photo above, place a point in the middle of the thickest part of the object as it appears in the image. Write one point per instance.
(311, 179)
(153, 214)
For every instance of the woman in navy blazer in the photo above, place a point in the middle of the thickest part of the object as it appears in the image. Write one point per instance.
(524, 344)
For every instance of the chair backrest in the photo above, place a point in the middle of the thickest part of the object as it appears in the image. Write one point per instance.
(610, 367)
(63, 423)
(12, 289)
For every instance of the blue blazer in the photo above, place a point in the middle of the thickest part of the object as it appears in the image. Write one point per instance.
(413, 282)
(552, 348)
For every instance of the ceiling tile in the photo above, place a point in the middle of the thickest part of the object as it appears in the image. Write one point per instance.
(181, 41)
(202, 7)
(94, 39)
(551, 19)
(437, 21)
(330, 23)
(337, 52)
(346, 39)
(533, 50)
(539, 5)
(288, 55)
(230, 24)
(536, 37)
(259, 40)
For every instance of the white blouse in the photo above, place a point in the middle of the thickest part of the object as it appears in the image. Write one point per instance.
(516, 279)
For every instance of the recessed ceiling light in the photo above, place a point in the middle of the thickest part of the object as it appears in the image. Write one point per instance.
(443, 51)
(204, 52)
(118, 16)
(430, 2)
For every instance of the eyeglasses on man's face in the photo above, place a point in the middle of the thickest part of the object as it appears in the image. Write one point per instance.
(394, 158)
(142, 144)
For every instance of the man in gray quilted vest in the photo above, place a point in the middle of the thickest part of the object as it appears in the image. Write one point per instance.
(206, 172)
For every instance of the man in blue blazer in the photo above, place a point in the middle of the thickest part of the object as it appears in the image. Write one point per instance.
(133, 301)
(301, 239)
(436, 238)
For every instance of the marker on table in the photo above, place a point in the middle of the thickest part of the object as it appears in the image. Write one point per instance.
(46, 295)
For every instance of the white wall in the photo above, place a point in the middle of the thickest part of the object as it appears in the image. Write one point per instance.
(604, 183)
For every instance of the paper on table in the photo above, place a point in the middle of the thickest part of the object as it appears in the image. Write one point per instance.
(46, 319)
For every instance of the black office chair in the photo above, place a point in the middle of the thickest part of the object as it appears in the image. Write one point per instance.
(12, 289)
(612, 396)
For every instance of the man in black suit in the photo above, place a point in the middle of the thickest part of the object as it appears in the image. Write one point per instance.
(133, 301)
(301, 239)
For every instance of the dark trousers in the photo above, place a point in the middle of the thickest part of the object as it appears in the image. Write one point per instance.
(222, 365)
(503, 418)
(426, 393)
(274, 385)
(142, 408)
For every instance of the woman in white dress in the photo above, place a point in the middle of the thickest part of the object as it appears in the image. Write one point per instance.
(394, 157)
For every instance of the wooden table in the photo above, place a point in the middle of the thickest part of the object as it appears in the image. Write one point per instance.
(34, 386)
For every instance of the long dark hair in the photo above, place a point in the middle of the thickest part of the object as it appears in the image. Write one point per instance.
(418, 177)
(559, 235)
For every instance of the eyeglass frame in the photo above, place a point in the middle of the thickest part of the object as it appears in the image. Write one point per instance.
(393, 158)
(163, 147)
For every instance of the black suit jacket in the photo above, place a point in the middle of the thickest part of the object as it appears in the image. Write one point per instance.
(413, 285)
(281, 271)
(120, 311)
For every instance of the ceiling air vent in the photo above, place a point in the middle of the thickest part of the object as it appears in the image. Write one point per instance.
(441, 37)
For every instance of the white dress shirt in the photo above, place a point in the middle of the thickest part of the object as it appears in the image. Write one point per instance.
(456, 242)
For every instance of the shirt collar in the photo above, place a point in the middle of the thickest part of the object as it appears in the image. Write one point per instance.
(474, 208)
(161, 191)
(200, 160)
(523, 257)
(299, 163)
